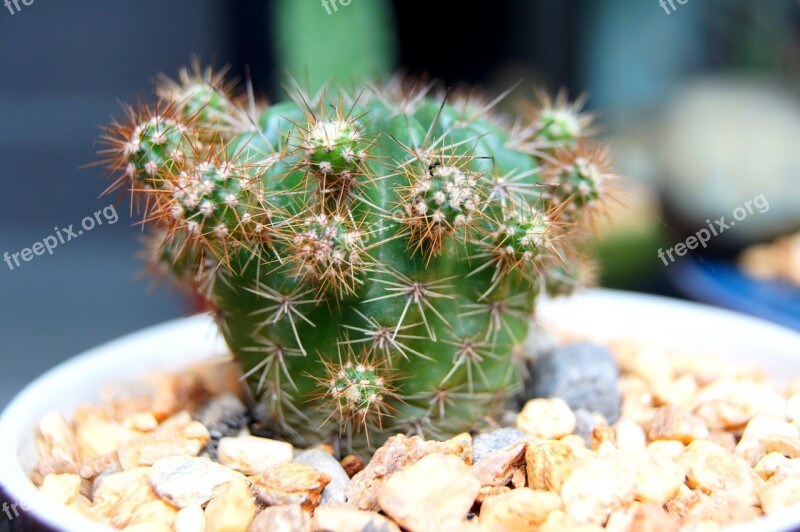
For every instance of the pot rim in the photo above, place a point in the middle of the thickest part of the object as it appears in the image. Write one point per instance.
(594, 313)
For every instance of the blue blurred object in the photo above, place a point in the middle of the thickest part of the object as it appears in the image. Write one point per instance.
(722, 283)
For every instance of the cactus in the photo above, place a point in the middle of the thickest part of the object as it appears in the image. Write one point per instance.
(373, 257)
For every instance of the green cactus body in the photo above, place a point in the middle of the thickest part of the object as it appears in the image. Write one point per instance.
(373, 261)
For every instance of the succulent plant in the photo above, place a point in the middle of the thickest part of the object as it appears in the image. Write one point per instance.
(373, 256)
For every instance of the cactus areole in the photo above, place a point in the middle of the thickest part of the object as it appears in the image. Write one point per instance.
(373, 256)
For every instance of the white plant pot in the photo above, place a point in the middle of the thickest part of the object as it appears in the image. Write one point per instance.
(596, 314)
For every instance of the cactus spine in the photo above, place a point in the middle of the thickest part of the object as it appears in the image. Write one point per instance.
(373, 256)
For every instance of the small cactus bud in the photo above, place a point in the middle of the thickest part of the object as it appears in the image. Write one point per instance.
(558, 123)
(581, 179)
(442, 198)
(201, 96)
(328, 252)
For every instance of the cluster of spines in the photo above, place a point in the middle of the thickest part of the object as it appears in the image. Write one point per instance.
(203, 96)
(332, 149)
(210, 200)
(328, 252)
(523, 239)
(443, 197)
(358, 390)
(579, 181)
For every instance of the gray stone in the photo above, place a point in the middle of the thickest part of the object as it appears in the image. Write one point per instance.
(584, 425)
(224, 416)
(483, 444)
(322, 461)
(584, 375)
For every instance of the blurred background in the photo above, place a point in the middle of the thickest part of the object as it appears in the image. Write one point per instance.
(699, 102)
